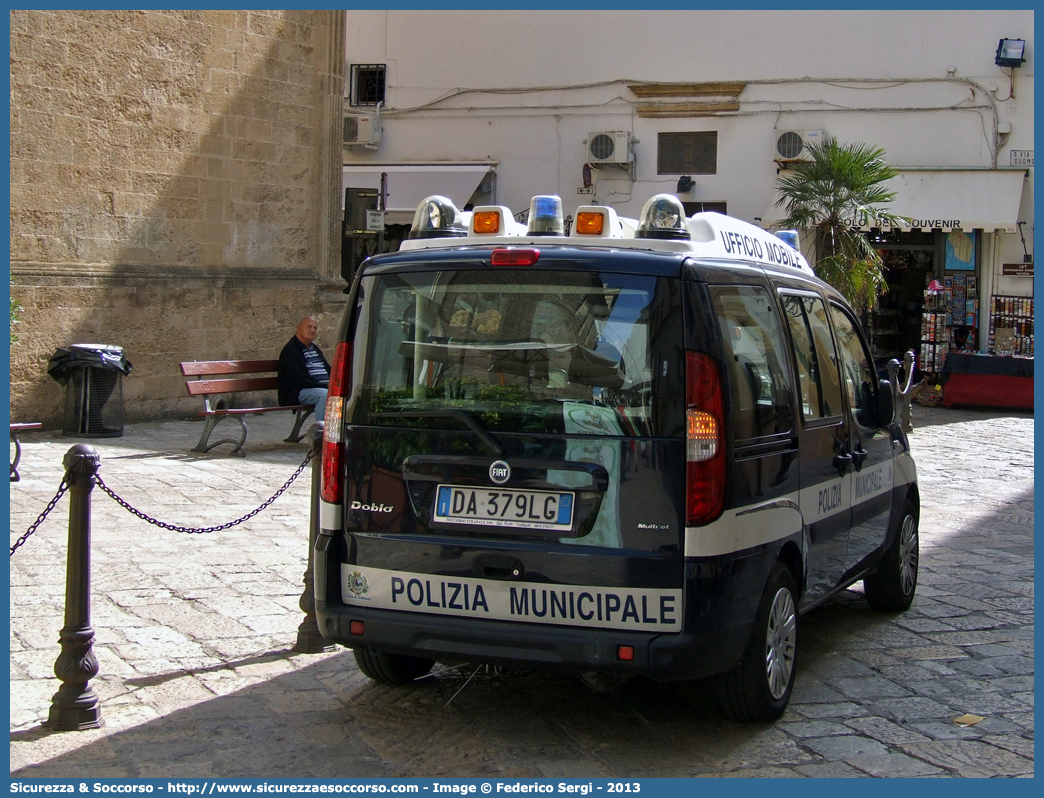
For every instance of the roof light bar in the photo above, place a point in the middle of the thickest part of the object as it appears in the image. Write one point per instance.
(663, 216)
(494, 220)
(545, 216)
(485, 223)
(597, 220)
(590, 223)
(438, 217)
(663, 227)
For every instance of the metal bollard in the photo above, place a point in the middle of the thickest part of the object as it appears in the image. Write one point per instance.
(309, 641)
(904, 394)
(75, 705)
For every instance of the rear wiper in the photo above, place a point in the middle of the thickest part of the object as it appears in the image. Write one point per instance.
(462, 416)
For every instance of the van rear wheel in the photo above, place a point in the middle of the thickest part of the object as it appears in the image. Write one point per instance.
(396, 669)
(891, 587)
(758, 688)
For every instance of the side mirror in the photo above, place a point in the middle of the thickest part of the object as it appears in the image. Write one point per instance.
(885, 411)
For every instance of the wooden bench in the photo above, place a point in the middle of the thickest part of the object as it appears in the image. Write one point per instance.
(216, 410)
(15, 429)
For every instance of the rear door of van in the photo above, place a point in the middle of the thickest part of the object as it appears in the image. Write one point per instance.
(515, 439)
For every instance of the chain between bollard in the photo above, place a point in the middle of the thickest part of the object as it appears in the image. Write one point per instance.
(202, 530)
(64, 486)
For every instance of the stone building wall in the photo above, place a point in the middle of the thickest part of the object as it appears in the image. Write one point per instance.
(175, 190)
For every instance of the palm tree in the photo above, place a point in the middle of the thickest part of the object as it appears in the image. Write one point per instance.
(840, 184)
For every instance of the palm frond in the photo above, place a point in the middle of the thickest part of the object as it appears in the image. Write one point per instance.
(841, 183)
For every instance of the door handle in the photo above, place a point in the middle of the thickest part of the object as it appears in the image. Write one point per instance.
(858, 456)
(842, 462)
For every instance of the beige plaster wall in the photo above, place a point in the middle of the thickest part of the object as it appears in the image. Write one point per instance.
(175, 182)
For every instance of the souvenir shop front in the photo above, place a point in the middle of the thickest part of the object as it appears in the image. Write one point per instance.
(959, 297)
(932, 302)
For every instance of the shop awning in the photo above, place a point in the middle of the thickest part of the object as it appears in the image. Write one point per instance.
(408, 184)
(969, 199)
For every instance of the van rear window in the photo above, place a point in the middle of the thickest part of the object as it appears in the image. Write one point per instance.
(510, 349)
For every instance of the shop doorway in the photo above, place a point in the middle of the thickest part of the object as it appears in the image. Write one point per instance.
(911, 260)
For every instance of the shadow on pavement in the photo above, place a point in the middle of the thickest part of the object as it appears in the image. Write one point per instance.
(327, 720)
(324, 719)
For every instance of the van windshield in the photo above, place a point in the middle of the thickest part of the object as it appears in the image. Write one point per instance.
(508, 350)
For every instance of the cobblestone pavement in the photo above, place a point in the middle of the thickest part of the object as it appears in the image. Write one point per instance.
(198, 679)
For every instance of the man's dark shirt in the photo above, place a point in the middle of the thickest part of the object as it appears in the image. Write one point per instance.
(293, 370)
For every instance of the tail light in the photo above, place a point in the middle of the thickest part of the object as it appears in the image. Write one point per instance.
(704, 440)
(333, 444)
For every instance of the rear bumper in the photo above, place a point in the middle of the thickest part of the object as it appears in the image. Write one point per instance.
(668, 657)
(721, 601)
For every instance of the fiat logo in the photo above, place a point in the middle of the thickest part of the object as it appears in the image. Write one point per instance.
(500, 472)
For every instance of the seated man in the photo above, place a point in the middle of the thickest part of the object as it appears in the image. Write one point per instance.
(303, 372)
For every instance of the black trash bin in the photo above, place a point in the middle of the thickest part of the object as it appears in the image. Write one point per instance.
(93, 378)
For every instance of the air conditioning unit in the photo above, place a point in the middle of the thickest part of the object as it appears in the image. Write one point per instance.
(362, 129)
(612, 147)
(792, 145)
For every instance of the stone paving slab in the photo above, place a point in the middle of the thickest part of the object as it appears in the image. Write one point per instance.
(198, 677)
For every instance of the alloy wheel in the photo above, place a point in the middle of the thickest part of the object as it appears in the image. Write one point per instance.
(781, 643)
(908, 555)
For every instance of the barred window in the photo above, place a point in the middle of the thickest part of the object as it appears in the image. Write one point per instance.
(688, 153)
(367, 86)
(702, 207)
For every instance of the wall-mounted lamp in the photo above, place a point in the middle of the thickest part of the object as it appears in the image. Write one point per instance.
(1026, 257)
(1010, 53)
(685, 184)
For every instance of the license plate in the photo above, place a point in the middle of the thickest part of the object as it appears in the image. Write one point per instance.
(531, 509)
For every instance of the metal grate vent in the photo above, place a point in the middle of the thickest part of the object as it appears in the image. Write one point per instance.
(790, 145)
(602, 147)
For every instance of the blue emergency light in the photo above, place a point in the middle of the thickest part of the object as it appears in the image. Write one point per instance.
(545, 216)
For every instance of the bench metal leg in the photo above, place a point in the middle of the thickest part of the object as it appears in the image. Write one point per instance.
(18, 456)
(209, 423)
(296, 436)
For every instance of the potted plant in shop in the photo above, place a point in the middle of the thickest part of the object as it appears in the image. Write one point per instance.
(822, 196)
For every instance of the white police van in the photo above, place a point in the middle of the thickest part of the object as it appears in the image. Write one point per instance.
(616, 447)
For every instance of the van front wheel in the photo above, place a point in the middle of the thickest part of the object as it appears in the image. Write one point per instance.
(758, 688)
(891, 587)
(396, 669)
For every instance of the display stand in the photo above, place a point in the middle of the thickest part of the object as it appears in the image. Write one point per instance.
(1001, 378)
(1011, 326)
(1004, 377)
(934, 335)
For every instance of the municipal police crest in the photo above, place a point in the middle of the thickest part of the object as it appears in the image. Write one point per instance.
(358, 583)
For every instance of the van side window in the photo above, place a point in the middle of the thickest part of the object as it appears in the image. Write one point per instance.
(754, 356)
(857, 369)
(815, 357)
